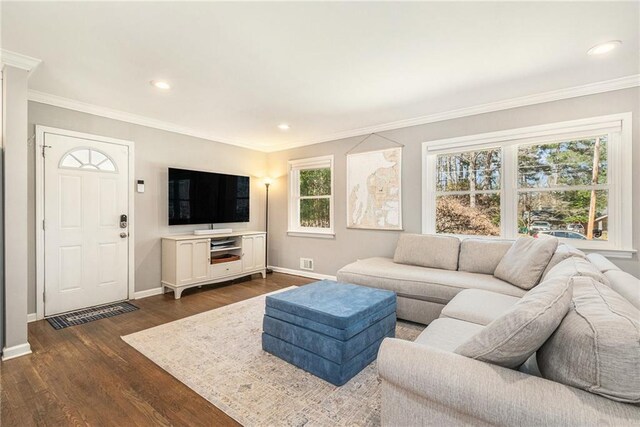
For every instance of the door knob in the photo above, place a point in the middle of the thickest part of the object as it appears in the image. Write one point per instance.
(123, 235)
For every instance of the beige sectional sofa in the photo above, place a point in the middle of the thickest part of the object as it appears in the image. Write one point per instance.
(424, 291)
(583, 379)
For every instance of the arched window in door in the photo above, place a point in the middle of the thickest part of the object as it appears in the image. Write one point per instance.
(89, 159)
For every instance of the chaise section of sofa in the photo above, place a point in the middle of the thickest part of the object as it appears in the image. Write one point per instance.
(427, 271)
(422, 291)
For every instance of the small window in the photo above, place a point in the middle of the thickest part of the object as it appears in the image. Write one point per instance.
(311, 196)
(88, 159)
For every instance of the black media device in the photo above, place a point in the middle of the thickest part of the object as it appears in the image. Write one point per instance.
(207, 198)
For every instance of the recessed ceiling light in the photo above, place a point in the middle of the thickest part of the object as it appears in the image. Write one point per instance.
(603, 48)
(284, 126)
(161, 84)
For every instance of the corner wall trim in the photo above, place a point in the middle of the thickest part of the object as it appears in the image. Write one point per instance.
(16, 351)
(147, 293)
(32, 317)
(506, 104)
(302, 273)
(18, 60)
(123, 116)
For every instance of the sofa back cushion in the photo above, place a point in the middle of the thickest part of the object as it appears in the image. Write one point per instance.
(626, 285)
(601, 262)
(428, 250)
(563, 252)
(575, 266)
(482, 255)
(525, 261)
(597, 345)
(513, 337)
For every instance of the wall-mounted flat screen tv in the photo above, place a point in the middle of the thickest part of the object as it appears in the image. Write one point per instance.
(207, 198)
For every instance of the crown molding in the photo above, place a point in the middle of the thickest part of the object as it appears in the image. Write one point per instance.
(556, 95)
(523, 101)
(18, 60)
(96, 110)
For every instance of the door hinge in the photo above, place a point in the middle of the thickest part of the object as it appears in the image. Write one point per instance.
(44, 297)
(43, 225)
(43, 148)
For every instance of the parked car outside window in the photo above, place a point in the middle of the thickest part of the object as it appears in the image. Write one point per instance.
(540, 226)
(565, 234)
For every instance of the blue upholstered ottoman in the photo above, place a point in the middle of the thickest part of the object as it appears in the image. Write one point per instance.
(330, 329)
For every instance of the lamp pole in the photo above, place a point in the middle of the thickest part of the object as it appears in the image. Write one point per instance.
(266, 238)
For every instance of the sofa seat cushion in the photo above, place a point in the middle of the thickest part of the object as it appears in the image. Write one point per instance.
(513, 337)
(478, 306)
(482, 255)
(602, 263)
(626, 285)
(447, 334)
(597, 346)
(428, 284)
(526, 260)
(428, 250)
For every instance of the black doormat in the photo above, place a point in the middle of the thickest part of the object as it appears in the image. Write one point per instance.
(90, 314)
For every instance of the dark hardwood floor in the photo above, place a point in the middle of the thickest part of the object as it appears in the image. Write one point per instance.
(86, 375)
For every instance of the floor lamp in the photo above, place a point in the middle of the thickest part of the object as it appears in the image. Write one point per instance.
(267, 183)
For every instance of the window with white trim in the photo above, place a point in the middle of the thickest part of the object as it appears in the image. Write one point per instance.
(571, 180)
(311, 195)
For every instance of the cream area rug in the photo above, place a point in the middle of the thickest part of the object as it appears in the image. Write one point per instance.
(218, 354)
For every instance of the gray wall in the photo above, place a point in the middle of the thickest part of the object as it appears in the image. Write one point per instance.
(349, 245)
(15, 205)
(155, 151)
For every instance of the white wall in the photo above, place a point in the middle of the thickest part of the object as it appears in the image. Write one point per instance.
(349, 244)
(155, 151)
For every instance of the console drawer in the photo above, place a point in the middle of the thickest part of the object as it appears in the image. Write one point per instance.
(225, 269)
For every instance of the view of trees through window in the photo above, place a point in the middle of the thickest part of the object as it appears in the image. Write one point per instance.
(563, 188)
(315, 198)
(468, 192)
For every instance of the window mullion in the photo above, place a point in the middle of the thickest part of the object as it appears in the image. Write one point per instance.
(509, 194)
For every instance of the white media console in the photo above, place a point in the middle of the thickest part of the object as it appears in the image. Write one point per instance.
(189, 261)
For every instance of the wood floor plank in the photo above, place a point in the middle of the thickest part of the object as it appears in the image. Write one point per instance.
(86, 375)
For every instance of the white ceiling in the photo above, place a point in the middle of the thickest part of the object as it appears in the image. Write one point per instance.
(240, 69)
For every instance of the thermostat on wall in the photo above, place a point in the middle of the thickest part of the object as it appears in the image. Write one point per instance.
(141, 186)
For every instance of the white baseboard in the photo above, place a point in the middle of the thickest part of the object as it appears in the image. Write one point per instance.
(16, 351)
(147, 293)
(309, 274)
(32, 317)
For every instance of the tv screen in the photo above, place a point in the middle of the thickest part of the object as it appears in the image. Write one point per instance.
(207, 198)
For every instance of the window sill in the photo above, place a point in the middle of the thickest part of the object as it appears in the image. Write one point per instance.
(312, 234)
(613, 253)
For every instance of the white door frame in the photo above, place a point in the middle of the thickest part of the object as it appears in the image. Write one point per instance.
(40, 133)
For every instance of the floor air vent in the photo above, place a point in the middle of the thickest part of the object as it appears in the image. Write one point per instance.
(306, 263)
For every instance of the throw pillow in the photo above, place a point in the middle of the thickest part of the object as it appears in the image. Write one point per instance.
(513, 337)
(525, 261)
(597, 346)
(428, 250)
(563, 252)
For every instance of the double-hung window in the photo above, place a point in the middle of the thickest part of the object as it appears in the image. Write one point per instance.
(311, 196)
(571, 180)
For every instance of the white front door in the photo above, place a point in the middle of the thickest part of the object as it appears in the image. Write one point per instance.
(86, 249)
